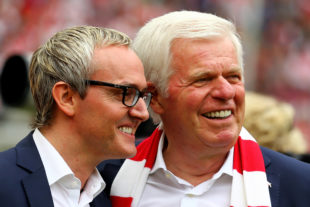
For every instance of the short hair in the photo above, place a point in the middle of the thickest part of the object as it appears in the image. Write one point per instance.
(66, 57)
(153, 42)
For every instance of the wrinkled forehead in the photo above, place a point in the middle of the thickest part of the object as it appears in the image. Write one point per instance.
(183, 48)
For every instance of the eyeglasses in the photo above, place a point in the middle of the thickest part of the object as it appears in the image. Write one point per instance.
(131, 94)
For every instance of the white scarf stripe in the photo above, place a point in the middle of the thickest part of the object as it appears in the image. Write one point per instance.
(249, 185)
(256, 187)
(124, 187)
(245, 135)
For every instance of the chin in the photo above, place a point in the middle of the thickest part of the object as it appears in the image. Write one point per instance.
(224, 144)
(128, 153)
(225, 139)
(132, 153)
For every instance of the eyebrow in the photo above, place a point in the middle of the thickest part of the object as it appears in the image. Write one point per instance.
(209, 72)
(235, 70)
(200, 74)
(132, 85)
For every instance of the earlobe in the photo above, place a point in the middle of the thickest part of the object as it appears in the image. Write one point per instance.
(156, 102)
(64, 98)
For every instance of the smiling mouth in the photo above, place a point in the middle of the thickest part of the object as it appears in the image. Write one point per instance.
(218, 114)
(127, 130)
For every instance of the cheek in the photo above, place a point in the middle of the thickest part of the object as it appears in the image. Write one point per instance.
(194, 98)
(101, 113)
(240, 96)
(113, 114)
(186, 98)
(240, 101)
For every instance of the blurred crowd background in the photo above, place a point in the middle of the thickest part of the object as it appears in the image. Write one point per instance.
(275, 35)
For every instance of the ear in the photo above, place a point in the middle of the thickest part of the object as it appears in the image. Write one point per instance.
(156, 102)
(64, 97)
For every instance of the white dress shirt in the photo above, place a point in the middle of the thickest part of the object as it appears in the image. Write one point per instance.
(164, 189)
(65, 187)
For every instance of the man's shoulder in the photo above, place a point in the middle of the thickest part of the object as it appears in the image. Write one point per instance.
(10, 179)
(288, 177)
(7, 161)
(11, 159)
(280, 162)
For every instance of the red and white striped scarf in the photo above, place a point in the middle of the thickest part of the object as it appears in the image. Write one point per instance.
(249, 184)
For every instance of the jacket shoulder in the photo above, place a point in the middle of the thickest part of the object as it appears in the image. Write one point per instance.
(289, 179)
(284, 162)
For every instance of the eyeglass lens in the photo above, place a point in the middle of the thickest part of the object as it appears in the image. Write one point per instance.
(132, 95)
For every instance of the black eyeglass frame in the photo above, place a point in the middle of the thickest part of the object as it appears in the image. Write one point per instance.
(145, 95)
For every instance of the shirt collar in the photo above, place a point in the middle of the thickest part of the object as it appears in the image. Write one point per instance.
(95, 184)
(56, 167)
(226, 168)
(159, 162)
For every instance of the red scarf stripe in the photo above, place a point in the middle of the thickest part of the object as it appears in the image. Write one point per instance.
(246, 157)
(148, 149)
(121, 201)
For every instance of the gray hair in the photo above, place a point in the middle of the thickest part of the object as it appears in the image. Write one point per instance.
(153, 42)
(66, 57)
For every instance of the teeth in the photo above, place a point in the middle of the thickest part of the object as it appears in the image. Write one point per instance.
(218, 114)
(127, 130)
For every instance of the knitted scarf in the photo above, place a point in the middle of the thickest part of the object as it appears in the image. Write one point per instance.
(249, 183)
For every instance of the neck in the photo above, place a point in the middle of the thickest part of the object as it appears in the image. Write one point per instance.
(69, 148)
(190, 165)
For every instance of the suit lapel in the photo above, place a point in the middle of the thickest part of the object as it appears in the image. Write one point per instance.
(35, 184)
(37, 189)
(101, 200)
(273, 177)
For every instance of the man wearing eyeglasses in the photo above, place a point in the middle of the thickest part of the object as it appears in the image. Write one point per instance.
(90, 96)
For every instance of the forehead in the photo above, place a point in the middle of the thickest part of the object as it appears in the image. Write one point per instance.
(118, 64)
(203, 53)
(217, 46)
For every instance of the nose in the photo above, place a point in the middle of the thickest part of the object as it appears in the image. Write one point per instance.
(223, 89)
(139, 110)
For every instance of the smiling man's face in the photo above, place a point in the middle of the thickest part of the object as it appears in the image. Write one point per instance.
(105, 123)
(205, 106)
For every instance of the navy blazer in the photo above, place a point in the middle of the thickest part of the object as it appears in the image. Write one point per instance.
(23, 181)
(289, 178)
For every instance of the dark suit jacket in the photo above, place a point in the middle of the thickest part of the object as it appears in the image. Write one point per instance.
(23, 181)
(289, 178)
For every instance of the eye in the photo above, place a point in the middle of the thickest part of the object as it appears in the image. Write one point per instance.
(206, 79)
(202, 81)
(234, 78)
(116, 93)
(130, 94)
